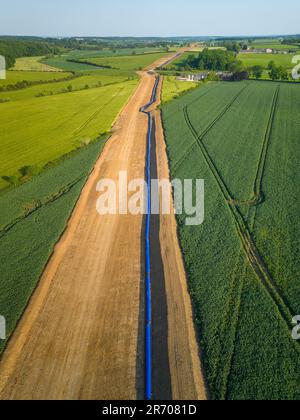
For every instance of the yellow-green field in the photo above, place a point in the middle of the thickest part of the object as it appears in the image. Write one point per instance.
(33, 64)
(36, 131)
(13, 77)
(92, 80)
(172, 88)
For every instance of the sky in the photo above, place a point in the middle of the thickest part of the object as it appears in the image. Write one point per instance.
(153, 18)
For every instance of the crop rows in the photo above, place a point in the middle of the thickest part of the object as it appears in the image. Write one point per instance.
(247, 271)
(32, 219)
(242, 229)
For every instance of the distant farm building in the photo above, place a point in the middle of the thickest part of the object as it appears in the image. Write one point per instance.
(193, 77)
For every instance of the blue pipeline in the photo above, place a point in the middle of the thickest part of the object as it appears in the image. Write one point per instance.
(148, 323)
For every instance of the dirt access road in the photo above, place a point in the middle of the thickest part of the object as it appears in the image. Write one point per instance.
(82, 335)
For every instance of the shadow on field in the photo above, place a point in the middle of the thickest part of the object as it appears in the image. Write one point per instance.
(162, 388)
(162, 385)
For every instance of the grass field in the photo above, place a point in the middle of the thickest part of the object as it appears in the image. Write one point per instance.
(105, 52)
(173, 88)
(273, 44)
(33, 217)
(62, 63)
(13, 77)
(127, 63)
(84, 81)
(179, 61)
(117, 60)
(33, 64)
(36, 131)
(242, 139)
(250, 60)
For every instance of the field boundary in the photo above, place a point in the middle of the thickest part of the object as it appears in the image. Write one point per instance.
(37, 205)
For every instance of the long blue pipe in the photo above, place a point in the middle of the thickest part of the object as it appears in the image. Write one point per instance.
(148, 323)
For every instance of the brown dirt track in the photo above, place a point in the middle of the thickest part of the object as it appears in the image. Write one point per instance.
(82, 334)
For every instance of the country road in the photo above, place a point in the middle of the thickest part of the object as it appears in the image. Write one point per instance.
(82, 335)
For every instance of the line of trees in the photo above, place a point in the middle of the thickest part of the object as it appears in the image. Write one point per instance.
(210, 60)
(275, 72)
(13, 49)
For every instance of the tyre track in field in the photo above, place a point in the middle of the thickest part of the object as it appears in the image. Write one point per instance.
(243, 231)
(95, 113)
(258, 198)
(192, 145)
(209, 127)
(258, 193)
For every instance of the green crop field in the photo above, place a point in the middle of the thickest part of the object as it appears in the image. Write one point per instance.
(243, 261)
(36, 131)
(33, 64)
(127, 63)
(33, 217)
(14, 77)
(172, 88)
(250, 60)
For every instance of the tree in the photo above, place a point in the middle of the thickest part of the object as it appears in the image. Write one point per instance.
(257, 71)
(210, 60)
(283, 74)
(274, 73)
(271, 65)
(26, 171)
(12, 180)
(278, 73)
(240, 75)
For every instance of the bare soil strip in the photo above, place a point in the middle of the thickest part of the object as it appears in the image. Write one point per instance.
(187, 376)
(78, 338)
(81, 336)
